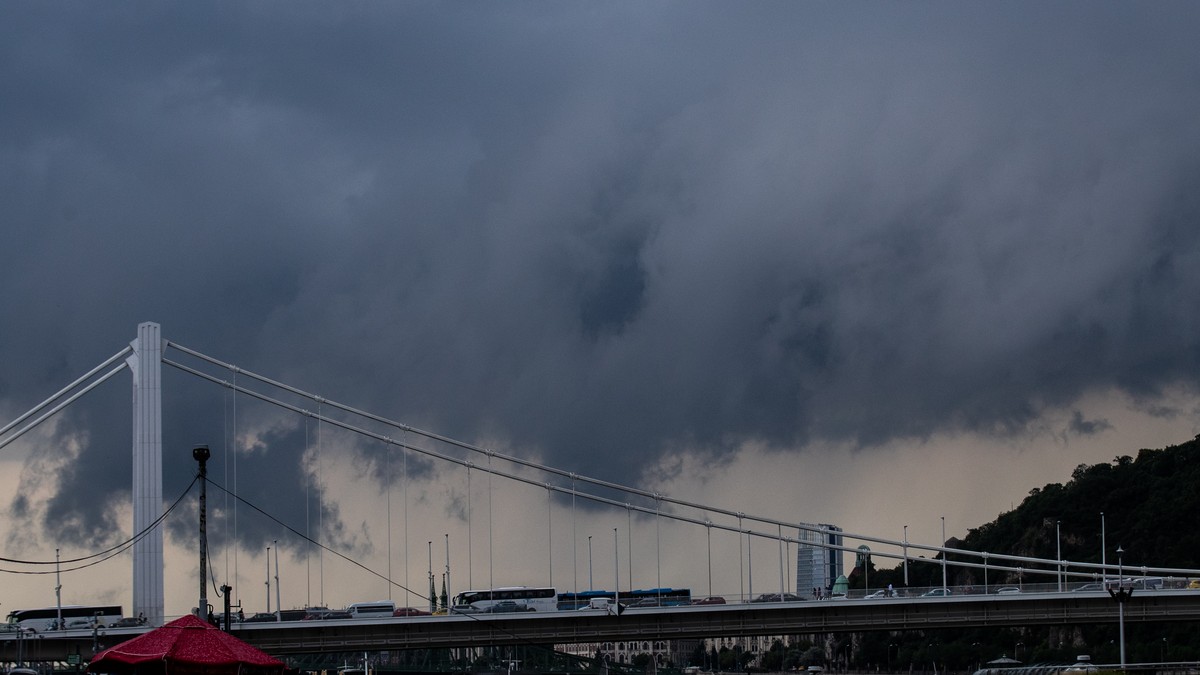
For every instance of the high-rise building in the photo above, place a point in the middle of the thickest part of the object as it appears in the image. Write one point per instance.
(818, 562)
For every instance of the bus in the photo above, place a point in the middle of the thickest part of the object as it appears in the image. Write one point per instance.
(519, 598)
(73, 617)
(372, 610)
(642, 597)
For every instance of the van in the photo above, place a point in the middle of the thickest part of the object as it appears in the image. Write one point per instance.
(372, 610)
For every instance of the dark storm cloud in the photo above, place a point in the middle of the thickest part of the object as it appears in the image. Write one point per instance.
(598, 232)
(1086, 427)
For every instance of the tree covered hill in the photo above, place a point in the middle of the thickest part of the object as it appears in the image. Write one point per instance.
(1150, 507)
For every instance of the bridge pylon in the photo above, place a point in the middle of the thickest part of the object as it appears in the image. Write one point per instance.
(146, 365)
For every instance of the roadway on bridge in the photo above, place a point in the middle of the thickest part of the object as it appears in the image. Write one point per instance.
(673, 623)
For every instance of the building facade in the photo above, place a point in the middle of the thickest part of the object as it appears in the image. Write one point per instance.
(818, 561)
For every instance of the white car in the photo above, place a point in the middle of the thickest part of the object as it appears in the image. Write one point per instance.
(1008, 590)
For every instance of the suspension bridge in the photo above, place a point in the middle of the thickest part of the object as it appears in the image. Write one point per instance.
(1046, 590)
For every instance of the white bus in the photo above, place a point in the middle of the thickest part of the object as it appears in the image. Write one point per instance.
(372, 610)
(510, 599)
(74, 617)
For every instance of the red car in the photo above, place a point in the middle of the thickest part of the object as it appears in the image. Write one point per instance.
(409, 611)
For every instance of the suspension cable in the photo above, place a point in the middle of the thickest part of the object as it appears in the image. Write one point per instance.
(572, 491)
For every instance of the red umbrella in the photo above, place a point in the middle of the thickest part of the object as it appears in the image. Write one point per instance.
(185, 646)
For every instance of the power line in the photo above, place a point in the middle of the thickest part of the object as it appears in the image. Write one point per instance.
(100, 556)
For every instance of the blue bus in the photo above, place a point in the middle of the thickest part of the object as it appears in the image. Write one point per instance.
(643, 597)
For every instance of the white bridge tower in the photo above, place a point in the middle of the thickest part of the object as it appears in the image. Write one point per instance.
(146, 365)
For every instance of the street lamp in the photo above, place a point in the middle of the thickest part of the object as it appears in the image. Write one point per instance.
(1121, 595)
(905, 558)
(1058, 537)
(943, 556)
(616, 572)
(1103, 550)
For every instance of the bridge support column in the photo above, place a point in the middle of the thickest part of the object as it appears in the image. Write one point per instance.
(146, 365)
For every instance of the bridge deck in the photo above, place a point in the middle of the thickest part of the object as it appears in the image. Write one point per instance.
(830, 616)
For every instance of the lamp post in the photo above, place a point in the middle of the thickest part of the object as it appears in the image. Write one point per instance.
(708, 534)
(1058, 554)
(1103, 551)
(591, 586)
(616, 571)
(432, 590)
(905, 557)
(201, 454)
(943, 556)
(268, 582)
(1121, 595)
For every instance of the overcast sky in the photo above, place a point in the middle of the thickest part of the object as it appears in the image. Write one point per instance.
(647, 242)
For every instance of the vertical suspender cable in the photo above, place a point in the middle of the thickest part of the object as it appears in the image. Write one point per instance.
(236, 579)
(320, 513)
(574, 544)
(470, 553)
(307, 526)
(387, 458)
(404, 448)
(491, 580)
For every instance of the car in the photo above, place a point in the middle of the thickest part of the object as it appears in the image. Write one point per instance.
(81, 624)
(937, 593)
(775, 597)
(128, 622)
(409, 611)
(464, 609)
(1089, 588)
(261, 617)
(1194, 583)
(710, 600)
(1008, 590)
(882, 593)
(645, 602)
(506, 606)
